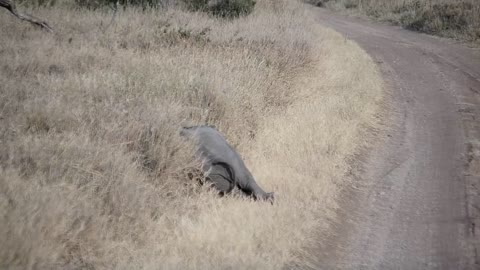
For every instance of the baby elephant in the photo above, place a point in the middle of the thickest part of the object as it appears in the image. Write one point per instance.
(222, 164)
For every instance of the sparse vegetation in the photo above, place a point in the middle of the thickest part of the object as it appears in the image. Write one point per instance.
(95, 4)
(222, 8)
(94, 175)
(231, 8)
(450, 18)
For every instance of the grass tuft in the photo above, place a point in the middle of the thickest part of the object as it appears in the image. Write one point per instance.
(94, 174)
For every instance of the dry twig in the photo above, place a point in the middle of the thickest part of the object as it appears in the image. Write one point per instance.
(10, 5)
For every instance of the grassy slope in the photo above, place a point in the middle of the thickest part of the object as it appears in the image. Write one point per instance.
(458, 19)
(93, 172)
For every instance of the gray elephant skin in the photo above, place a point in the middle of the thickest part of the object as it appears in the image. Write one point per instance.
(222, 165)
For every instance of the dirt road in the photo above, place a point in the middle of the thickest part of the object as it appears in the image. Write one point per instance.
(417, 202)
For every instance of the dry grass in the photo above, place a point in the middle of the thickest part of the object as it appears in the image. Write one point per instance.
(93, 172)
(450, 18)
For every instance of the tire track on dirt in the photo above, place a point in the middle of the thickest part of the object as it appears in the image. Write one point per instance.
(420, 198)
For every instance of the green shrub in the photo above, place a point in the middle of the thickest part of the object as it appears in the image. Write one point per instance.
(413, 20)
(318, 3)
(222, 8)
(349, 4)
(196, 5)
(451, 16)
(438, 18)
(94, 4)
(233, 8)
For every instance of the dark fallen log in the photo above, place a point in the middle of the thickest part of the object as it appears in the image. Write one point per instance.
(10, 6)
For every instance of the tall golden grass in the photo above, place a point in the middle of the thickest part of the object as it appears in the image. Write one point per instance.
(451, 18)
(93, 173)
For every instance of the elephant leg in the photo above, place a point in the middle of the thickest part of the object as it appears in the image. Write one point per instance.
(221, 175)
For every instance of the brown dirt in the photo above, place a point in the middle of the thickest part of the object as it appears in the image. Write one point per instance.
(416, 204)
